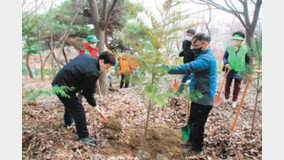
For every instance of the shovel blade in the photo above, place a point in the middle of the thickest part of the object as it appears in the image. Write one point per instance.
(185, 132)
(217, 101)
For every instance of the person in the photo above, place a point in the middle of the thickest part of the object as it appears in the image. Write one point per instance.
(135, 65)
(125, 70)
(109, 76)
(203, 74)
(82, 73)
(236, 58)
(188, 56)
(90, 47)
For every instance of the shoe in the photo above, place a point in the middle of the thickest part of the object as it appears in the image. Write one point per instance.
(192, 152)
(225, 101)
(234, 104)
(88, 139)
(186, 145)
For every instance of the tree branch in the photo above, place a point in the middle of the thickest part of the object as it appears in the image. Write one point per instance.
(256, 13)
(219, 6)
(94, 11)
(246, 13)
(109, 12)
(104, 10)
(236, 13)
(253, 2)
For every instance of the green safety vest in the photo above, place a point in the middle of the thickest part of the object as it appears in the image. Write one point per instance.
(87, 51)
(236, 61)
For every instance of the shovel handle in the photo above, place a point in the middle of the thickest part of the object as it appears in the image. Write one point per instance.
(101, 114)
(223, 81)
(98, 110)
(242, 102)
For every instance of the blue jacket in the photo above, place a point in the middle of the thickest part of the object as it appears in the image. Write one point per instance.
(203, 73)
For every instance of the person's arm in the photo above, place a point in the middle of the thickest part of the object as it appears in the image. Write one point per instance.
(90, 80)
(247, 59)
(191, 67)
(181, 54)
(225, 57)
(177, 69)
(184, 43)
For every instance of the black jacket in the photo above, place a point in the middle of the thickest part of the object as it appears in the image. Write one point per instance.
(186, 52)
(82, 73)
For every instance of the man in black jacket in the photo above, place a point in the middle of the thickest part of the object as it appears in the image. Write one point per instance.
(82, 73)
(187, 54)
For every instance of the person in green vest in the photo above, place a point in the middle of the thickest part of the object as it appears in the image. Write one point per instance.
(236, 58)
(90, 47)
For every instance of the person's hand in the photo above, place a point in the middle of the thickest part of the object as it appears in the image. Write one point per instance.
(227, 66)
(95, 104)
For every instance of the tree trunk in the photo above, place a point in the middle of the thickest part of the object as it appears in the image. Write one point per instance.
(103, 80)
(53, 66)
(147, 125)
(28, 66)
(41, 67)
(249, 37)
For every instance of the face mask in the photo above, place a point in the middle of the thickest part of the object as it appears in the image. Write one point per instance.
(236, 43)
(93, 45)
(197, 50)
(188, 38)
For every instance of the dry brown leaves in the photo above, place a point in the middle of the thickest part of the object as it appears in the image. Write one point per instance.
(44, 138)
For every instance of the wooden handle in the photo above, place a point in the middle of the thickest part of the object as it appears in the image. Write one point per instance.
(98, 110)
(188, 106)
(257, 71)
(242, 102)
(98, 84)
(223, 83)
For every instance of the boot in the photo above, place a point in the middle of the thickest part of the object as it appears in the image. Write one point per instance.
(186, 144)
(88, 139)
(191, 152)
(121, 85)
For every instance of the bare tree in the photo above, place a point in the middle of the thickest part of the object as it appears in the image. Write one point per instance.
(100, 22)
(243, 15)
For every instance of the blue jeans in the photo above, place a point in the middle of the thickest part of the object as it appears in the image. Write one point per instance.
(110, 80)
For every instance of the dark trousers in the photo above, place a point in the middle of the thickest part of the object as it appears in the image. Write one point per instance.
(74, 109)
(126, 79)
(237, 88)
(197, 119)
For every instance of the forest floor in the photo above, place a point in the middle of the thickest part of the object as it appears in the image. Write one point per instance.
(43, 136)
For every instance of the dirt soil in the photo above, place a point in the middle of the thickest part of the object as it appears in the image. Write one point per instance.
(160, 139)
(43, 136)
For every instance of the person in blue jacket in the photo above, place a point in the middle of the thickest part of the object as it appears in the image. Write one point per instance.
(203, 74)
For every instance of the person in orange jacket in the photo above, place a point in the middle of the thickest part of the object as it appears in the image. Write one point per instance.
(126, 69)
(90, 47)
(134, 64)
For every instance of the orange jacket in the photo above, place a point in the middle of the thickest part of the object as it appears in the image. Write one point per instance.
(125, 66)
(134, 63)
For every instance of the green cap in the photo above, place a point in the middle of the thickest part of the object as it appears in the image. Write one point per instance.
(238, 37)
(92, 38)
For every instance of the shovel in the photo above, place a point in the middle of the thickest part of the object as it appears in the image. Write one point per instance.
(242, 102)
(175, 85)
(217, 100)
(100, 112)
